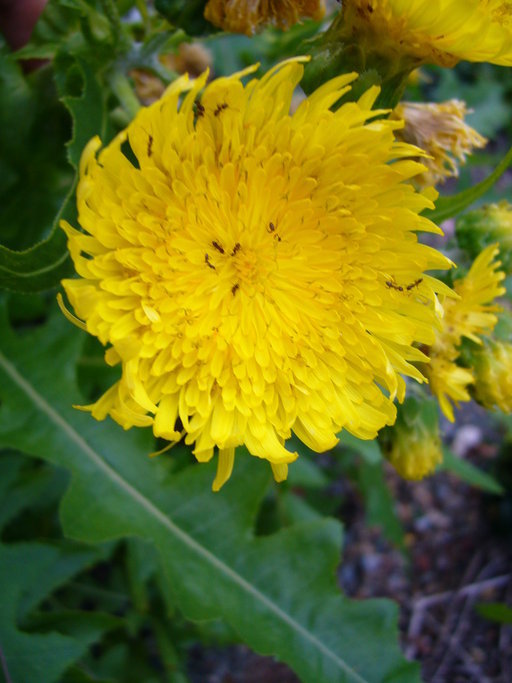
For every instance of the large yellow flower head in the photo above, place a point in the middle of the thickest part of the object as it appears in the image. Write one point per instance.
(470, 316)
(254, 272)
(435, 31)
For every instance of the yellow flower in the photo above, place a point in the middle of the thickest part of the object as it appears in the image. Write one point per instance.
(434, 31)
(440, 130)
(247, 16)
(493, 376)
(448, 381)
(255, 273)
(415, 453)
(470, 316)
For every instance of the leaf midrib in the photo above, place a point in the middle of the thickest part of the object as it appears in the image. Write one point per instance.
(41, 404)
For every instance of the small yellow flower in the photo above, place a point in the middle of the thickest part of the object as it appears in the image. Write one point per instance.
(434, 31)
(440, 130)
(248, 16)
(254, 272)
(493, 376)
(415, 453)
(469, 316)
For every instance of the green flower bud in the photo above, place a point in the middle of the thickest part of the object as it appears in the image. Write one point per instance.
(490, 224)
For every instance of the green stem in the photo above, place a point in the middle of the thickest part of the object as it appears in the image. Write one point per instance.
(123, 90)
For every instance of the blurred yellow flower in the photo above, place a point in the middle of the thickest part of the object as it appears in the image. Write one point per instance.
(440, 130)
(470, 316)
(254, 272)
(434, 31)
(493, 376)
(247, 16)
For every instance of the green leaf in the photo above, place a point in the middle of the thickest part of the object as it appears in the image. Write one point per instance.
(86, 627)
(279, 591)
(28, 573)
(447, 207)
(368, 450)
(45, 264)
(469, 473)
(495, 611)
(379, 503)
(88, 108)
(187, 14)
(21, 486)
(32, 134)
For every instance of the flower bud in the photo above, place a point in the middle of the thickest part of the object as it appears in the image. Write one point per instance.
(489, 224)
(415, 445)
(493, 376)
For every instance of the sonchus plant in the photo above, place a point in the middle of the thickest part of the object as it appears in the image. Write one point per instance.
(246, 280)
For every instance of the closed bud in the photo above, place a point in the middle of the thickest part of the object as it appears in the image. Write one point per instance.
(490, 224)
(413, 445)
(493, 376)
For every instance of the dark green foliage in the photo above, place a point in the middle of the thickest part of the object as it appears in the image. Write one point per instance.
(267, 589)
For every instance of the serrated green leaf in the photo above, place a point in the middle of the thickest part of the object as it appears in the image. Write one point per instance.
(469, 473)
(88, 109)
(447, 207)
(29, 572)
(278, 591)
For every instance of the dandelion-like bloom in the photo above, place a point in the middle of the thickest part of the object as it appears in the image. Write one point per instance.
(470, 316)
(440, 130)
(434, 31)
(493, 376)
(248, 16)
(254, 272)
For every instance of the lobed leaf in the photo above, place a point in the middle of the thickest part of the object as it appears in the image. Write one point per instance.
(279, 592)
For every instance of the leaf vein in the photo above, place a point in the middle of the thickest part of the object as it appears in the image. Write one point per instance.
(41, 404)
